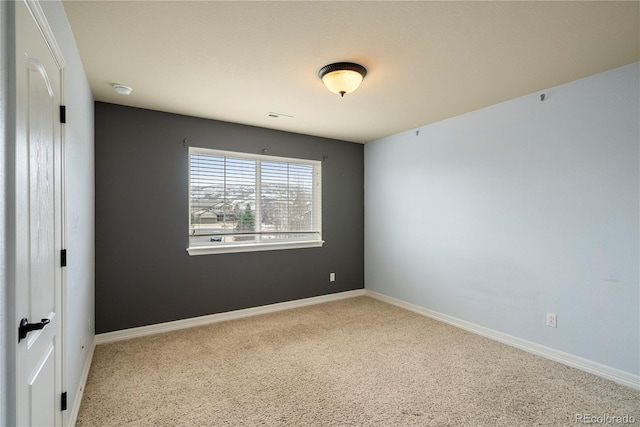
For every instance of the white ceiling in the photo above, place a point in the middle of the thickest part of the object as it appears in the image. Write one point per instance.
(237, 61)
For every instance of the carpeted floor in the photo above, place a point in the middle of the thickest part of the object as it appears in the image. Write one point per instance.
(354, 362)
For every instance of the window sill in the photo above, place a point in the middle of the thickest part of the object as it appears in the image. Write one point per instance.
(230, 249)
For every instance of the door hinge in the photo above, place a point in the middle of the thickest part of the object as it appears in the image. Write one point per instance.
(63, 401)
(63, 258)
(63, 114)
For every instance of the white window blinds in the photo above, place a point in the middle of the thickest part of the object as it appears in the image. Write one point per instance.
(245, 199)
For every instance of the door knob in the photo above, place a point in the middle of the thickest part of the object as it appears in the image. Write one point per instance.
(26, 327)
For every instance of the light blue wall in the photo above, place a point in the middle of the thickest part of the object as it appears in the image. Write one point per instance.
(79, 206)
(504, 214)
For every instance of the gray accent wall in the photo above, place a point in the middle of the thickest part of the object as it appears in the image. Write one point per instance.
(144, 274)
(524, 208)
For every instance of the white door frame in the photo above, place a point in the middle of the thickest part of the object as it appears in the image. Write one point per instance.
(7, 346)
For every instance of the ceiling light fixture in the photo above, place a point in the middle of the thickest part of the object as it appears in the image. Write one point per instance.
(342, 77)
(122, 89)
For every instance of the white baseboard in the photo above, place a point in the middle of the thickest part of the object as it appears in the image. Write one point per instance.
(220, 317)
(613, 374)
(75, 409)
(604, 371)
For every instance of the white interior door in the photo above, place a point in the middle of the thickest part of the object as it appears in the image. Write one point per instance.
(38, 222)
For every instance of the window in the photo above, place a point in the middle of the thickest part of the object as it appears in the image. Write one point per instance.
(246, 202)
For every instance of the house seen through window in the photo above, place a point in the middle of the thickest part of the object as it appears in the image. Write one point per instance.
(244, 202)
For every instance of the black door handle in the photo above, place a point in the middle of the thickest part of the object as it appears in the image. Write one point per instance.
(26, 327)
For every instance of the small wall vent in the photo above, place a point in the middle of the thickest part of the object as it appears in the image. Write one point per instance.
(279, 116)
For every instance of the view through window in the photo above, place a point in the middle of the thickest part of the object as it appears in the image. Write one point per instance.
(239, 199)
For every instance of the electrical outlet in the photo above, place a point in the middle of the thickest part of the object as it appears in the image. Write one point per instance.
(552, 320)
(332, 277)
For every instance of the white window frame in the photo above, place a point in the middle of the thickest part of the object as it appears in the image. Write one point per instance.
(258, 246)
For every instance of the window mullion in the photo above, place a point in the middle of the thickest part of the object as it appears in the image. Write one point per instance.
(224, 192)
(316, 201)
(288, 200)
(258, 201)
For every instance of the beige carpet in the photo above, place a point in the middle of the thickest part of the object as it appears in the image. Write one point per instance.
(354, 362)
